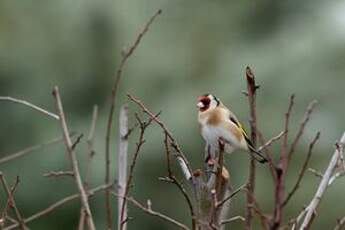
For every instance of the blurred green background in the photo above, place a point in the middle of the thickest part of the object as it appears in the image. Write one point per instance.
(194, 47)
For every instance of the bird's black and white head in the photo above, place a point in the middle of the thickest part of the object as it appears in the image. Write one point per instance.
(207, 101)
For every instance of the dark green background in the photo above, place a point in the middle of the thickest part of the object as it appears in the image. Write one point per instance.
(194, 47)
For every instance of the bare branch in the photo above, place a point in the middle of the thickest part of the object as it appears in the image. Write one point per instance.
(251, 89)
(322, 187)
(30, 105)
(222, 202)
(149, 210)
(304, 167)
(172, 179)
(58, 173)
(122, 163)
(270, 141)
(9, 193)
(10, 200)
(126, 55)
(28, 150)
(73, 159)
(90, 154)
(58, 204)
(305, 120)
(141, 141)
(241, 218)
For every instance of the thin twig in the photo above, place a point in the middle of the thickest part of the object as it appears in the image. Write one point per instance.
(32, 106)
(173, 179)
(153, 213)
(13, 204)
(251, 89)
(126, 55)
(10, 198)
(303, 169)
(241, 218)
(28, 150)
(89, 157)
(269, 155)
(270, 141)
(305, 120)
(322, 188)
(58, 173)
(222, 202)
(315, 172)
(174, 144)
(58, 204)
(73, 159)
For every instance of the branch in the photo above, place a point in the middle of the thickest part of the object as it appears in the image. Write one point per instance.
(58, 173)
(28, 150)
(172, 179)
(305, 120)
(9, 193)
(90, 154)
(304, 168)
(115, 86)
(241, 218)
(180, 156)
(141, 141)
(251, 90)
(122, 163)
(148, 210)
(73, 159)
(269, 155)
(10, 201)
(340, 224)
(30, 105)
(58, 204)
(322, 187)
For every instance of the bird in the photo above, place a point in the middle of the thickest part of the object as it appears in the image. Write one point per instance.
(219, 125)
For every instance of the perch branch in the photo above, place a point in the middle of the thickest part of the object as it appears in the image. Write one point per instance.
(73, 160)
(340, 224)
(126, 55)
(251, 90)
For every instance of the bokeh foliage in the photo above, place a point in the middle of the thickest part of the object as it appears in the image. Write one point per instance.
(194, 47)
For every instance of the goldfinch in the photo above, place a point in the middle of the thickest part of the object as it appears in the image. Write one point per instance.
(218, 123)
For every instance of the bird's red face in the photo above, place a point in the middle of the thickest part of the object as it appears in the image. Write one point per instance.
(204, 103)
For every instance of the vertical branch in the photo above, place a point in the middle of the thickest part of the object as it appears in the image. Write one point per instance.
(90, 154)
(122, 163)
(281, 170)
(125, 56)
(311, 212)
(251, 90)
(73, 160)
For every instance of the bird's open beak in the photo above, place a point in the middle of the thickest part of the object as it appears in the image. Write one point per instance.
(200, 105)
